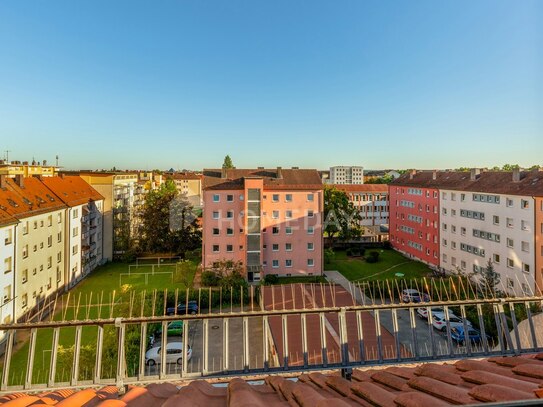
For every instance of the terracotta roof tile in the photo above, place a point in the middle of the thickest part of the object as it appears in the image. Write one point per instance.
(467, 381)
(495, 392)
(290, 179)
(72, 190)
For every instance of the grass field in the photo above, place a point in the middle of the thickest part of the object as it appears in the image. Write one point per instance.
(390, 262)
(92, 298)
(302, 280)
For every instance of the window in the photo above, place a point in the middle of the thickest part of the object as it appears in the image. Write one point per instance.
(453, 212)
(25, 251)
(462, 197)
(215, 248)
(463, 231)
(310, 262)
(229, 231)
(453, 228)
(215, 214)
(510, 223)
(510, 242)
(524, 225)
(288, 214)
(525, 267)
(275, 214)
(59, 237)
(510, 284)
(463, 263)
(49, 262)
(453, 244)
(59, 218)
(50, 241)
(310, 214)
(74, 213)
(216, 231)
(74, 249)
(75, 231)
(229, 248)
(229, 198)
(496, 220)
(7, 265)
(59, 257)
(444, 257)
(444, 242)
(275, 264)
(34, 271)
(275, 247)
(524, 204)
(525, 246)
(216, 197)
(310, 230)
(25, 228)
(496, 258)
(24, 300)
(288, 247)
(310, 246)
(288, 263)
(275, 230)
(25, 276)
(229, 214)
(310, 197)
(288, 197)
(9, 236)
(288, 230)
(509, 202)
(275, 198)
(510, 263)
(526, 290)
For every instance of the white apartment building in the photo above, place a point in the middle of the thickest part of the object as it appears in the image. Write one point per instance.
(476, 227)
(84, 224)
(7, 264)
(346, 175)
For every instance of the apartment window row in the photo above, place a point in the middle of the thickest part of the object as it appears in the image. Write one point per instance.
(289, 263)
(494, 237)
(407, 204)
(228, 197)
(229, 248)
(407, 229)
(229, 232)
(414, 245)
(288, 247)
(486, 198)
(472, 249)
(414, 191)
(472, 214)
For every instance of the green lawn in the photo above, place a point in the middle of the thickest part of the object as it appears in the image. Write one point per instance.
(302, 280)
(92, 298)
(390, 262)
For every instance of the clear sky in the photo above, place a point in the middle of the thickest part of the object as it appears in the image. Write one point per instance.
(383, 84)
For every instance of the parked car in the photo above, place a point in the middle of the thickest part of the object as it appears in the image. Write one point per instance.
(183, 309)
(458, 335)
(175, 328)
(440, 323)
(174, 352)
(411, 295)
(423, 311)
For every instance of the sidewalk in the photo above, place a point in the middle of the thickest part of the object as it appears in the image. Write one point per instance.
(337, 278)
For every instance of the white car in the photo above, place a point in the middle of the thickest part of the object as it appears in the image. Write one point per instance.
(174, 352)
(440, 323)
(423, 312)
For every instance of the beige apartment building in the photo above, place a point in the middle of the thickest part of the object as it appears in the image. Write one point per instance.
(26, 169)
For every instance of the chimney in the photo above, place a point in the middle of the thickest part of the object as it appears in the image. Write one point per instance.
(279, 172)
(412, 173)
(25, 162)
(62, 175)
(434, 175)
(474, 174)
(20, 180)
(3, 182)
(516, 174)
(223, 173)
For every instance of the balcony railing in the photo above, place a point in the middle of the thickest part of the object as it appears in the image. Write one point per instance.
(253, 342)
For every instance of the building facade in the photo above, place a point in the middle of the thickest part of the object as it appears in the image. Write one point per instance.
(7, 262)
(269, 220)
(414, 221)
(26, 169)
(484, 217)
(189, 184)
(346, 175)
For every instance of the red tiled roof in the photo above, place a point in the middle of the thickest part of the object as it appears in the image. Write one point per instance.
(361, 187)
(469, 381)
(497, 182)
(31, 199)
(290, 178)
(6, 218)
(186, 175)
(72, 190)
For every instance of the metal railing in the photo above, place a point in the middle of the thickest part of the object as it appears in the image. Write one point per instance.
(98, 352)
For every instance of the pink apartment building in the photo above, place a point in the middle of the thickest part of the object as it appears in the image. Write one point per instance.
(270, 220)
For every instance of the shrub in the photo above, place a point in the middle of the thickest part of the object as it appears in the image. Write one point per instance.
(329, 255)
(387, 245)
(271, 279)
(210, 279)
(372, 257)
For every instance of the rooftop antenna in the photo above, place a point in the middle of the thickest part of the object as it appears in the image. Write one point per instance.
(7, 155)
(57, 160)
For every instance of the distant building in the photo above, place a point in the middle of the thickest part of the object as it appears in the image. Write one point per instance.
(346, 175)
(189, 184)
(373, 204)
(26, 169)
(370, 175)
(269, 219)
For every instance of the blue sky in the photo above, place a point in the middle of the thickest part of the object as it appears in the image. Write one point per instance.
(383, 84)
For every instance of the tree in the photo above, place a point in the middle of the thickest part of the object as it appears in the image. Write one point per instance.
(510, 167)
(227, 164)
(169, 224)
(489, 279)
(341, 218)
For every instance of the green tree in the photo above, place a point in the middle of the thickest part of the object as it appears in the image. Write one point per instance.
(510, 167)
(489, 279)
(227, 163)
(341, 217)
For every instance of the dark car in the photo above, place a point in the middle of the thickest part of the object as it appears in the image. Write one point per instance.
(183, 309)
(458, 335)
